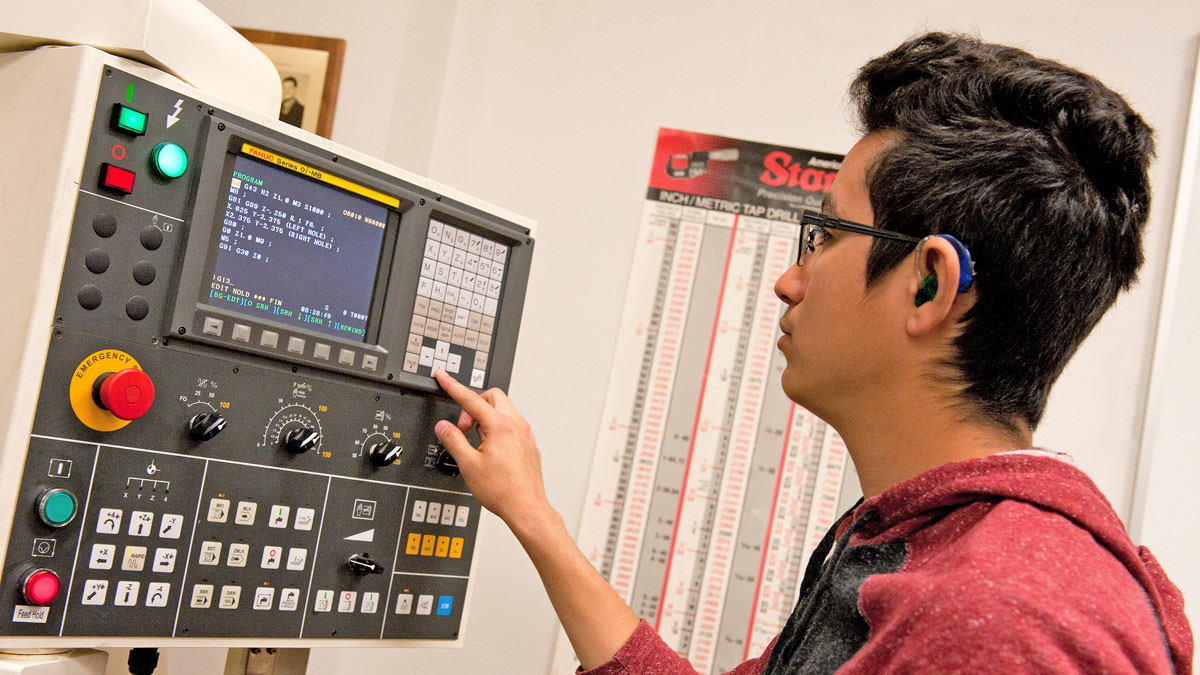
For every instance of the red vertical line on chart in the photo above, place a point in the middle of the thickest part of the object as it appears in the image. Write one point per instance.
(783, 458)
(696, 423)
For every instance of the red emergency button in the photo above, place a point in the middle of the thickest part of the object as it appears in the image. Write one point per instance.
(128, 394)
(40, 587)
(116, 178)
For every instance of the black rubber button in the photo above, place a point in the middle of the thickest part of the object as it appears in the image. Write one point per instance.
(90, 296)
(96, 261)
(105, 224)
(144, 272)
(137, 308)
(151, 237)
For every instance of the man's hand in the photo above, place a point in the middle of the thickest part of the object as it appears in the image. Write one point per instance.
(505, 471)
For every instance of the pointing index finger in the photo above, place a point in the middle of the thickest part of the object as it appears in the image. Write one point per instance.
(472, 403)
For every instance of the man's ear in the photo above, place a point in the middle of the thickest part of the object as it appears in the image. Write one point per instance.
(935, 286)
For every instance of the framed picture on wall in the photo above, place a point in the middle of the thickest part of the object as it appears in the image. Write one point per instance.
(309, 69)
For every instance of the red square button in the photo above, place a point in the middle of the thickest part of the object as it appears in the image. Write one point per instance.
(116, 178)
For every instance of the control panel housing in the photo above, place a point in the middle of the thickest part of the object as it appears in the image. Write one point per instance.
(222, 409)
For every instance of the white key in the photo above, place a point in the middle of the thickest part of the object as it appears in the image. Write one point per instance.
(296, 558)
(134, 559)
(347, 601)
(460, 316)
(425, 287)
(289, 599)
(324, 601)
(264, 598)
(171, 526)
(141, 523)
(218, 510)
(441, 272)
(404, 603)
(245, 513)
(452, 292)
(210, 553)
(157, 593)
(459, 258)
(489, 307)
(439, 364)
(304, 519)
(487, 249)
(439, 291)
(279, 516)
(270, 557)
(446, 254)
(230, 597)
(501, 253)
(497, 271)
(435, 229)
(370, 603)
(493, 290)
(441, 350)
(448, 512)
(126, 594)
(164, 560)
(485, 268)
(468, 279)
(434, 513)
(102, 557)
(456, 276)
(449, 233)
(464, 514)
(425, 604)
(431, 248)
(95, 591)
(477, 378)
(462, 239)
(474, 244)
(471, 266)
(202, 596)
(454, 363)
(109, 521)
(428, 267)
(238, 555)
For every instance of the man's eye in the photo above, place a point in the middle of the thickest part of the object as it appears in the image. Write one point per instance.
(820, 236)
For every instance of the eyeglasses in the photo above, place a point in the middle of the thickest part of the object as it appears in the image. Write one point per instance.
(814, 226)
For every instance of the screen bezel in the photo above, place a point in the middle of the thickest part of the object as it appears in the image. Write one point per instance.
(222, 146)
(382, 264)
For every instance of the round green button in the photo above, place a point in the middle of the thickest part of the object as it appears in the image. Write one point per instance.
(169, 159)
(59, 507)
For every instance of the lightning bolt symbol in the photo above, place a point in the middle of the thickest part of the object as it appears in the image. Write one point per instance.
(174, 116)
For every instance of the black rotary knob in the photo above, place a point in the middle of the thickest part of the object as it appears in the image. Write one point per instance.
(205, 425)
(446, 463)
(362, 564)
(299, 441)
(384, 453)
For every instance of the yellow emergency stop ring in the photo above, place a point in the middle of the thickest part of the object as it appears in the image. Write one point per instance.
(84, 379)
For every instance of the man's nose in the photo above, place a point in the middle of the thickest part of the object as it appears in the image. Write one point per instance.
(790, 285)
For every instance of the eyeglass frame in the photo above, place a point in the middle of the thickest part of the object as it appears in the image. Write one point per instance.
(810, 220)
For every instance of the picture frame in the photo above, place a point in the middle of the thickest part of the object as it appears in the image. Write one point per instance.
(312, 66)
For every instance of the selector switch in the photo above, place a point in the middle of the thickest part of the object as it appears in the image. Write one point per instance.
(299, 441)
(383, 454)
(57, 507)
(362, 564)
(446, 463)
(204, 426)
(40, 587)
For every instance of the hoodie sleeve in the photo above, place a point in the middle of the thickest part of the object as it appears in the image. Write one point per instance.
(644, 653)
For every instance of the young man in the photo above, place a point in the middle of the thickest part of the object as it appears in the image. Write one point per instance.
(971, 552)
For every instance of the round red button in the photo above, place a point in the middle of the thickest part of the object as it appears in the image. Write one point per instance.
(41, 587)
(128, 394)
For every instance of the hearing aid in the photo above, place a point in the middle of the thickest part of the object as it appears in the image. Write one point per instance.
(966, 271)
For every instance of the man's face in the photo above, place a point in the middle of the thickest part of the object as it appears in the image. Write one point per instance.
(839, 340)
(289, 90)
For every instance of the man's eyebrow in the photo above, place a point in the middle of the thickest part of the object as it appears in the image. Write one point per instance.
(827, 205)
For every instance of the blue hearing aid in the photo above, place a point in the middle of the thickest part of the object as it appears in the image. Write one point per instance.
(966, 273)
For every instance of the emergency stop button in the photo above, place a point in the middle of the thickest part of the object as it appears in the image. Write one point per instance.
(128, 393)
(40, 587)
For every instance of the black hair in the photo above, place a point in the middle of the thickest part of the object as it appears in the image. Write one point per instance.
(1040, 170)
(289, 77)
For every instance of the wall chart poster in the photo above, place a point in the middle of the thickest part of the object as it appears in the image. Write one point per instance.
(709, 488)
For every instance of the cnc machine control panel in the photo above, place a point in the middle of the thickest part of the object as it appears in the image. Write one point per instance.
(234, 434)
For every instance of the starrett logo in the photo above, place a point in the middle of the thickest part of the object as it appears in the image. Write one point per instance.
(780, 169)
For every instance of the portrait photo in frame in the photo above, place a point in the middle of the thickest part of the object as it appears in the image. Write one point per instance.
(309, 70)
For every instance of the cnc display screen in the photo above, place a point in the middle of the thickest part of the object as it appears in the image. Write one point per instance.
(294, 250)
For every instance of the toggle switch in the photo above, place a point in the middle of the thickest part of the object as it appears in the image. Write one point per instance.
(362, 564)
(204, 426)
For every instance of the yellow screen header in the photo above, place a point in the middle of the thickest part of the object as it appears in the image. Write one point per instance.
(305, 170)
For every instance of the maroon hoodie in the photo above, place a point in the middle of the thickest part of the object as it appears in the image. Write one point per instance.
(1012, 563)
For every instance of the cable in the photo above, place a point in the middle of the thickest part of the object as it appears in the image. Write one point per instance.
(143, 660)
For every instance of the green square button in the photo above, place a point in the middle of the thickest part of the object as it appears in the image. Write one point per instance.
(130, 120)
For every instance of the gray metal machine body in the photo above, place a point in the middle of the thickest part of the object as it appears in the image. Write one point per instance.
(278, 297)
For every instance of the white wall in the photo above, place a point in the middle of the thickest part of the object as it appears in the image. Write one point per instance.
(550, 109)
